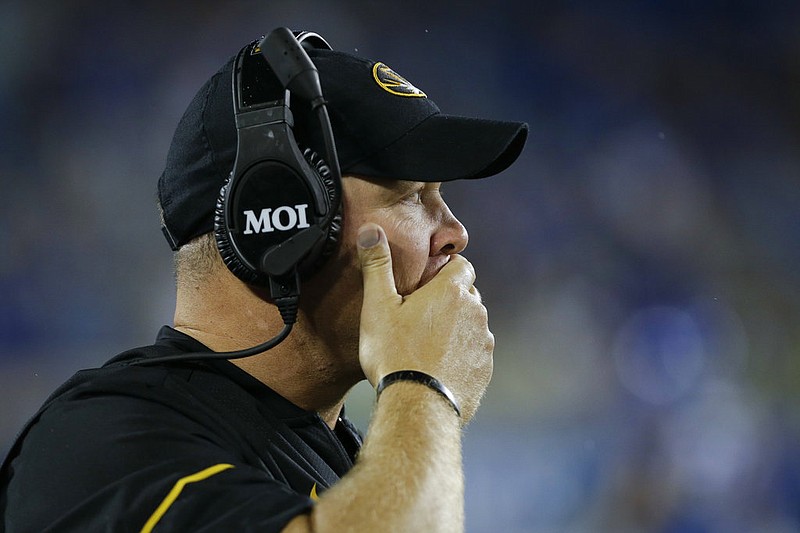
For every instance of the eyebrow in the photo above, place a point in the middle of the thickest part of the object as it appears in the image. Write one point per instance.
(411, 184)
(406, 184)
(397, 188)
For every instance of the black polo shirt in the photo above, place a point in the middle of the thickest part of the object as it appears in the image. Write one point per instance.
(170, 447)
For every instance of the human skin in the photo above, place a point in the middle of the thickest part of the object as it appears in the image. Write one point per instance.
(396, 296)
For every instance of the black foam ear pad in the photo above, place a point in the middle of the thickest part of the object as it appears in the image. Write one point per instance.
(226, 250)
(331, 242)
(271, 183)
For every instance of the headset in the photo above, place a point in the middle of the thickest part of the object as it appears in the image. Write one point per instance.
(278, 214)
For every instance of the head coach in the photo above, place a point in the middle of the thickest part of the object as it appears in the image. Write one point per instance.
(313, 249)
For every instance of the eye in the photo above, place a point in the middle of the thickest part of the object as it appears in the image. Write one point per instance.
(413, 197)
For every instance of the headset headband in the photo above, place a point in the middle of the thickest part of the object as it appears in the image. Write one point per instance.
(255, 84)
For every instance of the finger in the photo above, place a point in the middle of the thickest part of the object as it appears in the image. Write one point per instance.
(459, 270)
(476, 293)
(376, 263)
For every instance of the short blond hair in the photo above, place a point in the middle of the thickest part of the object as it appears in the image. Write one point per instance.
(198, 259)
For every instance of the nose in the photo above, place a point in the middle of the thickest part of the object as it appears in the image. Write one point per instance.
(451, 236)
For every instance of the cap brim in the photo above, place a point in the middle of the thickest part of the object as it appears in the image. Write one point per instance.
(446, 148)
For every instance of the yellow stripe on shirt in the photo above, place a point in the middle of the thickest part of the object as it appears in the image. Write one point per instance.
(176, 491)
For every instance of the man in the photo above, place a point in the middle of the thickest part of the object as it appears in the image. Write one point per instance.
(163, 439)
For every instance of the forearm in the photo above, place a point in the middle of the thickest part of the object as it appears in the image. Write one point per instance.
(408, 476)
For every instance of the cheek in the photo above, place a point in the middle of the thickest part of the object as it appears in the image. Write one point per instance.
(408, 241)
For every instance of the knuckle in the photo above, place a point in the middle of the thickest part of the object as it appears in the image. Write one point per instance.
(376, 261)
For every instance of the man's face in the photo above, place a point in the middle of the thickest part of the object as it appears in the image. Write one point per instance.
(422, 231)
(422, 234)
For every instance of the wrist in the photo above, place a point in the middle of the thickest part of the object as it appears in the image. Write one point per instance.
(416, 376)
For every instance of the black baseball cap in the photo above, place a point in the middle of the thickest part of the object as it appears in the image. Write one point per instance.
(383, 125)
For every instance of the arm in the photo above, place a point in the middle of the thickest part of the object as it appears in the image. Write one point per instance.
(409, 475)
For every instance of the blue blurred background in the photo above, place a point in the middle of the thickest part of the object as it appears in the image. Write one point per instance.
(639, 262)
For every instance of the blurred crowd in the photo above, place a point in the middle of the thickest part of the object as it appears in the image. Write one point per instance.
(639, 262)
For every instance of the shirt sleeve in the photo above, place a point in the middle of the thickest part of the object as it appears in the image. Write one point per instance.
(114, 462)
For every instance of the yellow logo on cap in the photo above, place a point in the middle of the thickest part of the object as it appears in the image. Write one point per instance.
(392, 82)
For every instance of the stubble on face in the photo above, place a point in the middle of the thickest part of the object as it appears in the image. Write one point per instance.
(400, 208)
(410, 214)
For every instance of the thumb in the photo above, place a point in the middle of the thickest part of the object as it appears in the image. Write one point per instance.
(376, 263)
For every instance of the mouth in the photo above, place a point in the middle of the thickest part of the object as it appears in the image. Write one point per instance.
(432, 270)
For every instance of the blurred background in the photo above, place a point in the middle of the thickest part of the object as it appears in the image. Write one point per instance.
(639, 262)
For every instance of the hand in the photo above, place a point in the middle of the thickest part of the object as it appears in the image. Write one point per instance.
(440, 329)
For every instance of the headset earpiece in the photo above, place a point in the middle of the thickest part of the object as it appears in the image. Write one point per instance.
(244, 257)
(278, 212)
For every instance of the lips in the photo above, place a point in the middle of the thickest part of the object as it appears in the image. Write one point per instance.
(432, 269)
